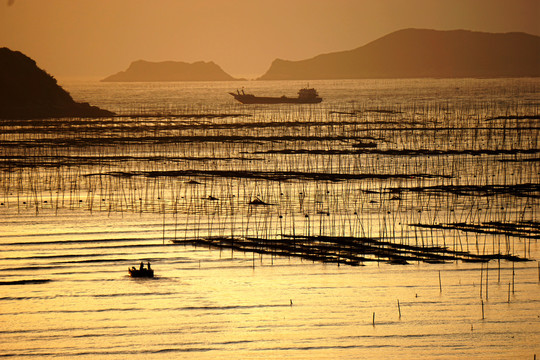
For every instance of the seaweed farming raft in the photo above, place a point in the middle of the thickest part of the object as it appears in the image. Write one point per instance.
(344, 250)
(396, 178)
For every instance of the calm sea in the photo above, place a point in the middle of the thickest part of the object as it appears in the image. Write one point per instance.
(76, 213)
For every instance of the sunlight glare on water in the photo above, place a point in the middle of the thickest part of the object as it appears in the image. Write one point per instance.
(82, 205)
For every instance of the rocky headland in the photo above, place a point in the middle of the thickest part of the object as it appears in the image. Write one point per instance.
(143, 71)
(419, 53)
(28, 92)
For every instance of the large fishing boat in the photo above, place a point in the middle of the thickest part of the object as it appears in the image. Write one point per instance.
(305, 96)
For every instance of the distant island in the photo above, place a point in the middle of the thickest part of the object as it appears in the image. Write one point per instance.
(28, 92)
(171, 71)
(417, 53)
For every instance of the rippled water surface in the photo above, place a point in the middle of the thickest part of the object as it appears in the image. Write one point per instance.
(454, 164)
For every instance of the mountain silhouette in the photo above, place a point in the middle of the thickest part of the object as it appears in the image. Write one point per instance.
(28, 92)
(419, 53)
(171, 71)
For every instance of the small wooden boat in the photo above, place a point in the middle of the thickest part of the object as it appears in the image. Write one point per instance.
(141, 273)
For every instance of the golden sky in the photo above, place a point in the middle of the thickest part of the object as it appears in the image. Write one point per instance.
(95, 38)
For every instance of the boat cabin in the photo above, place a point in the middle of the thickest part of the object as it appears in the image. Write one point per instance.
(307, 93)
